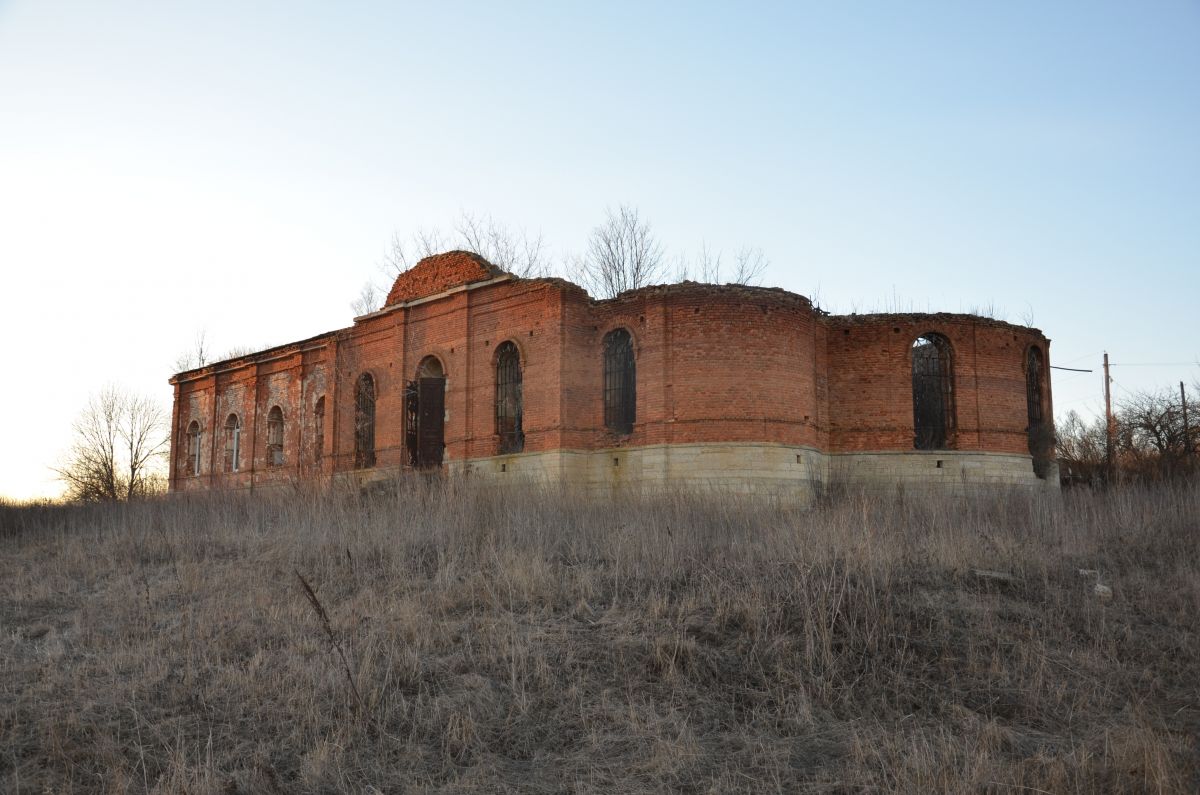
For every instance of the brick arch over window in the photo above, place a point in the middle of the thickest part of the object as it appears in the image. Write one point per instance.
(431, 367)
(509, 399)
(233, 443)
(364, 421)
(193, 448)
(933, 392)
(620, 381)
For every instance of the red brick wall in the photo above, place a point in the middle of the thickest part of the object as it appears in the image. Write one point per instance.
(870, 375)
(714, 364)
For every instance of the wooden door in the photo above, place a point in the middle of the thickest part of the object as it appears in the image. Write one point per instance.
(431, 421)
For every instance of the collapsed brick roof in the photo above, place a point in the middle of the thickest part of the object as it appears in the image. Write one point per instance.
(439, 273)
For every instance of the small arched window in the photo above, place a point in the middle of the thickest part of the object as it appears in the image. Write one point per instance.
(1040, 433)
(319, 429)
(933, 392)
(275, 437)
(364, 421)
(233, 443)
(620, 382)
(508, 399)
(193, 448)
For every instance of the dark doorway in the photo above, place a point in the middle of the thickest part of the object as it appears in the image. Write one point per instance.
(425, 415)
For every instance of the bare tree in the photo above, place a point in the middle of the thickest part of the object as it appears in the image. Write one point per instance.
(622, 254)
(369, 300)
(517, 252)
(198, 356)
(1151, 442)
(514, 251)
(117, 454)
(749, 263)
(402, 254)
(1081, 449)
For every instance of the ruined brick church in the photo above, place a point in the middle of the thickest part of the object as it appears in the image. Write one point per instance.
(471, 371)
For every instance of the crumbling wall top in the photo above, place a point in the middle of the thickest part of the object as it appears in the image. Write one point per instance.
(439, 273)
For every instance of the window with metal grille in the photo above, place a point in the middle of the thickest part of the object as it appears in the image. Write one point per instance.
(620, 382)
(1041, 434)
(275, 437)
(933, 392)
(364, 422)
(319, 429)
(508, 399)
(233, 443)
(193, 448)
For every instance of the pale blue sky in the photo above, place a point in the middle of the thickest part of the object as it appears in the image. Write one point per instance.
(166, 167)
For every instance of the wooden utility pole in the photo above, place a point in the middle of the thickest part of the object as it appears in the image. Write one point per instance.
(1108, 421)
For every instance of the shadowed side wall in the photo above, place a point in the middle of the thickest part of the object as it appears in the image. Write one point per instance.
(871, 408)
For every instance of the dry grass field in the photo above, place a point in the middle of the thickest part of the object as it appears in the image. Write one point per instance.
(454, 639)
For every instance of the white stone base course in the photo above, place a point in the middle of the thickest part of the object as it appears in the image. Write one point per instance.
(795, 473)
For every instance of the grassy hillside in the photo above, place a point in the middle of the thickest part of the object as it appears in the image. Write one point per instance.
(459, 639)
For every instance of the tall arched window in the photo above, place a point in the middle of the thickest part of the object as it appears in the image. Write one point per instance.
(275, 437)
(508, 399)
(193, 448)
(364, 421)
(1041, 435)
(233, 443)
(933, 392)
(620, 382)
(319, 429)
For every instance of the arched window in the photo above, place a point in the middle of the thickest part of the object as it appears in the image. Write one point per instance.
(620, 382)
(508, 399)
(1041, 435)
(319, 429)
(933, 392)
(364, 421)
(275, 437)
(233, 443)
(193, 448)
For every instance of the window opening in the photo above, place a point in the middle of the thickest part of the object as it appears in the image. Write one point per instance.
(933, 397)
(233, 443)
(509, 407)
(319, 429)
(620, 382)
(364, 422)
(275, 437)
(193, 448)
(1041, 434)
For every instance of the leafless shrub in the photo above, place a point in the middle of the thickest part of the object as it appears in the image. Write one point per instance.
(197, 356)
(1082, 448)
(749, 264)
